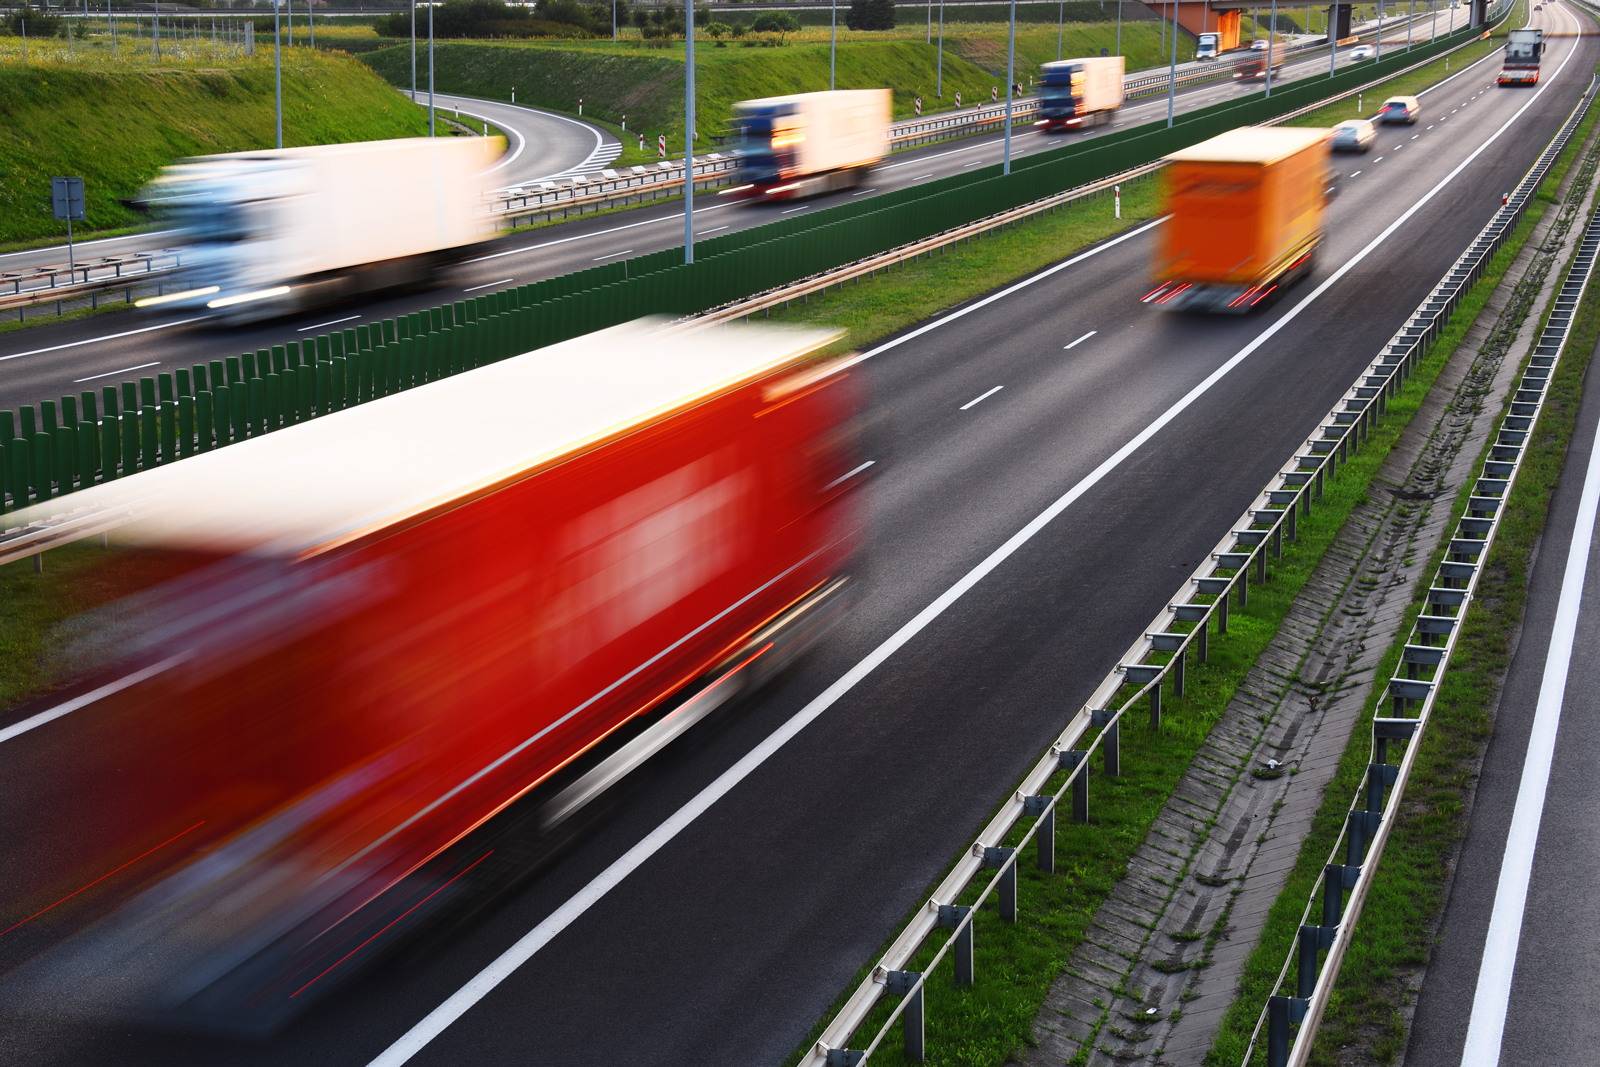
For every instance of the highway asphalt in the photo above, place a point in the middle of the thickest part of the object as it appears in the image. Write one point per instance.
(728, 923)
(1536, 976)
(65, 358)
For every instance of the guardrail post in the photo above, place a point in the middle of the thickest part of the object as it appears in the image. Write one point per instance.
(1277, 537)
(1069, 761)
(1002, 858)
(1178, 661)
(845, 1057)
(1203, 649)
(954, 915)
(1043, 809)
(1155, 705)
(914, 1018)
(1222, 613)
(1261, 564)
(1313, 939)
(1282, 1011)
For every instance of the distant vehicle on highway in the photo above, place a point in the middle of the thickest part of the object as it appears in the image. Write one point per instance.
(1397, 109)
(1075, 93)
(1524, 49)
(1362, 51)
(1246, 210)
(809, 143)
(1259, 44)
(1353, 135)
(1252, 65)
(280, 230)
(1208, 47)
(375, 636)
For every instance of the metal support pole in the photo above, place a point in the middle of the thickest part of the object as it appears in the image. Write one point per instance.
(1272, 31)
(1306, 968)
(1004, 859)
(1244, 587)
(1070, 761)
(1261, 566)
(914, 1018)
(688, 144)
(1172, 70)
(1178, 663)
(833, 40)
(1119, 27)
(1222, 615)
(1203, 649)
(938, 87)
(1011, 56)
(1332, 894)
(430, 70)
(277, 71)
(1041, 808)
(1277, 1031)
(1277, 537)
(1061, 19)
(953, 915)
(1155, 705)
(413, 51)
(1333, 31)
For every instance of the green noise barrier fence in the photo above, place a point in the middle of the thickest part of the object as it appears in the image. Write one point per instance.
(57, 447)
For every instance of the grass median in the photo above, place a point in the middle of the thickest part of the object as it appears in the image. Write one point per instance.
(1395, 931)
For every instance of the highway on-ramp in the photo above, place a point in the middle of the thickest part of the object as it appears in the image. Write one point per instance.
(728, 923)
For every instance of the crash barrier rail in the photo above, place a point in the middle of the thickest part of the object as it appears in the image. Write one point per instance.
(27, 298)
(609, 186)
(36, 294)
(1434, 634)
(62, 446)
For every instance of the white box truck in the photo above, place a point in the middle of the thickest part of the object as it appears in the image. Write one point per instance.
(277, 231)
(809, 143)
(1079, 92)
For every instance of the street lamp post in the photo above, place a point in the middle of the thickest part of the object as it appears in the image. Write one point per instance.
(938, 86)
(413, 51)
(1011, 55)
(430, 69)
(1061, 19)
(1172, 71)
(833, 39)
(688, 146)
(1119, 27)
(277, 71)
(1272, 30)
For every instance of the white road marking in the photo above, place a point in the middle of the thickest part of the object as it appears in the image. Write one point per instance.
(677, 217)
(847, 477)
(67, 707)
(792, 210)
(462, 1000)
(96, 340)
(1080, 340)
(974, 163)
(124, 370)
(486, 285)
(982, 398)
(613, 255)
(863, 192)
(330, 322)
(85, 244)
(1487, 1025)
(713, 229)
(1357, 174)
(1378, 160)
(918, 179)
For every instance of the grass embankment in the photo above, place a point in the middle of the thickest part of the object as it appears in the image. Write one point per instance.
(117, 127)
(1394, 936)
(1017, 964)
(645, 84)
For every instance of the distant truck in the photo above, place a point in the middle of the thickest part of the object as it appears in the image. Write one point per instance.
(1524, 49)
(374, 636)
(1209, 46)
(281, 230)
(810, 143)
(1252, 65)
(1074, 93)
(1245, 219)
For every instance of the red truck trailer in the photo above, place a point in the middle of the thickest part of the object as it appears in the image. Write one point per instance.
(385, 626)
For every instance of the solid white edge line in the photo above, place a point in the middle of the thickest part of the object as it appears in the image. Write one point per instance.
(438, 1020)
(1080, 340)
(124, 370)
(17, 729)
(320, 325)
(83, 244)
(96, 340)
(1490, 1000)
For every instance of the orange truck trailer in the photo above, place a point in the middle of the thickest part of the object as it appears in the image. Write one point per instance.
(381, 628)
(1245, 219)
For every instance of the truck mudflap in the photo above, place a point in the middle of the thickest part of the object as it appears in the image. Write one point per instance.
(239, 943)
(1231, 299)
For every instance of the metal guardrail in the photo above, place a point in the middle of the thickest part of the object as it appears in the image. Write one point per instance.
(23, 299)
(1372, 816)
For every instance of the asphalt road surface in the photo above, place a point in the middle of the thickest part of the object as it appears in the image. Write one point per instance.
(727, 924)
(65, 358)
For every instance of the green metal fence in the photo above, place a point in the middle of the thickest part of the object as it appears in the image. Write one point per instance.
(56, 447)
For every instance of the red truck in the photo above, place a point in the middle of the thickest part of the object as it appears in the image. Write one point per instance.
(381, 628)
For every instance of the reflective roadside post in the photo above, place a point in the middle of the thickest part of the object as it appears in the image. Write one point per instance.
(66, 197)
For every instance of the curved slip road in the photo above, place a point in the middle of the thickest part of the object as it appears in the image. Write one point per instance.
(725, 943)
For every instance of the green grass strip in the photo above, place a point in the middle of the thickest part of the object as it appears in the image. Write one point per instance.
(1394, 933)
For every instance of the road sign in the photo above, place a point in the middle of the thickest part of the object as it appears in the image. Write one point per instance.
(661, 145)
(994, 94)
(66, 196)
(919, 105)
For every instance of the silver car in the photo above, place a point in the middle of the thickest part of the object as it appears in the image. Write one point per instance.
(1353, 135)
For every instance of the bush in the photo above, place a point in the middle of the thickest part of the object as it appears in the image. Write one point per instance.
(36, 23)
(779, 22)
(492, 18)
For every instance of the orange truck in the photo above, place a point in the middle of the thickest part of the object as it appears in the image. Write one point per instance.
(1245, 217)
(399, 647)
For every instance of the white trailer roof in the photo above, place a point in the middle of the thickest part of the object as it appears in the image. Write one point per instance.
(1252, 144)
(321, 483)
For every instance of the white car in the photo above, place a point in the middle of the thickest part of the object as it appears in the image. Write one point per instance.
(1353, 135)
(1360, 52)
(1259, 44)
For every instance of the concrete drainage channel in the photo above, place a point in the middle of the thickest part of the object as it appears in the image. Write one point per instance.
(1160, 655)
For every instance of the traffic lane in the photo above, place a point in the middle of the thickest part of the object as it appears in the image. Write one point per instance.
(65, 358)
(541, 144)
(1554, 961)
(1104, 577)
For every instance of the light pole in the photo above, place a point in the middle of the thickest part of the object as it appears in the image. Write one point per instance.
(430, 69)
(311, 23)
(1172, 71)
(1272, 30)
(1378, 56)
(1411, 18)
(688, 145)
(833, 39)
(413, 51)
(277, 72)
(1119, 27)
(1011, 55)
(938, 87)
(1061, 18)
(1333, 34)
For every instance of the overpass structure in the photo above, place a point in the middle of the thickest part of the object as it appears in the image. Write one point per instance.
(1224, 17)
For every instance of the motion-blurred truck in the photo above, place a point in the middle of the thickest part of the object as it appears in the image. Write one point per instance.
(1074, 93)
(402, 648)
(809, 143)
(1524, 49)
(1245, 219)
(280, 230)
(1252, 65)
(1208, 46)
